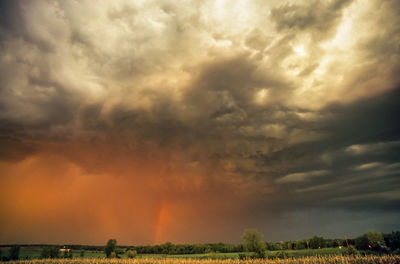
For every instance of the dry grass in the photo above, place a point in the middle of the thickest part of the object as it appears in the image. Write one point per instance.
(307, 260)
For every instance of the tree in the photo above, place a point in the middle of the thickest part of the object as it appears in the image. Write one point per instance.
(110, 248)
(167, 248)
(253, 241)
(375, 240)
(372, 240)
(361, 242)
(50, 252)
(82, 254)
(317, 242)
(393, 240)
(14, 252)
(300, 244)
(131, 253)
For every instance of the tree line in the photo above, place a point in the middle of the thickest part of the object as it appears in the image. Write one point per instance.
(253, 241)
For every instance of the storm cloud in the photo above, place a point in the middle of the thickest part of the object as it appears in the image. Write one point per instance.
(188, 115)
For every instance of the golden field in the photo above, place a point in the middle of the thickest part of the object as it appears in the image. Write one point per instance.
(307, 260)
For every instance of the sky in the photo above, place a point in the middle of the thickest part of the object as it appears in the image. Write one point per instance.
(189, 121)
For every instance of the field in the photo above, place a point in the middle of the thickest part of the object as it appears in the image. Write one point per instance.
(302, 260)
(34, 253)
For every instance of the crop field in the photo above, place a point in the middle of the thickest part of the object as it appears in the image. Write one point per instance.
(34, 253)
(303, 260)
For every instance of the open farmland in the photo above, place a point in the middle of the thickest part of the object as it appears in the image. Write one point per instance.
(307, 260)
(34, 253)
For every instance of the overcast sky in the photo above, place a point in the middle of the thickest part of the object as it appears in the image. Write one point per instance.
(189, 121)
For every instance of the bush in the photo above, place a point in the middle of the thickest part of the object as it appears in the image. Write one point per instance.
(243, 256)
(50, 252)
(131, 253)
(260, 254)
(351, 251)
(281, 255)
(254, 255)
(212, 255)
(67, 254)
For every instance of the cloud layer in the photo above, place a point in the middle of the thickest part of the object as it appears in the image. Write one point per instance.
(188, 115)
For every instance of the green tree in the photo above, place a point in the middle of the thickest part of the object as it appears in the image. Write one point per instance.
(50, 252)
(82, 253)
(393, 240)
(351, 251)
(131, 253)
(300, 244)
(253, 241)
(14, 252)
(317, 242)
(361, 242)
(110, 248)
(167, 248)
(375, 240)
(372, 240)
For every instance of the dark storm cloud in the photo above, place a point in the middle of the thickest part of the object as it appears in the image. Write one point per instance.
(292, 111)
(13, 148)
(360, 156)
(11, 19)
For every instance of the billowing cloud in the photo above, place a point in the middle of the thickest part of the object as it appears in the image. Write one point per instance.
(162, 121)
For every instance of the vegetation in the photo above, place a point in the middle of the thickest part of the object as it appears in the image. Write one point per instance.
(50, 252)
(371, 240)
(131, 253)
(317, 242)
(110, 248)
(393, 241)
(253, 242)
(308, 260)
(351, 251)
(14, 252)
(253, 246)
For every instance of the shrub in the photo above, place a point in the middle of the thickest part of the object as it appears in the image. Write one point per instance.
(131, 253)
(281, 255)
(351, 251)
(50, 252)
(260, 254)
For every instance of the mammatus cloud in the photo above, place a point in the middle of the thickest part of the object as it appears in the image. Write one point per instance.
(187, 116)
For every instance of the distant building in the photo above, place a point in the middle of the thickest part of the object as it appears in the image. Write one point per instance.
(62, 250)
